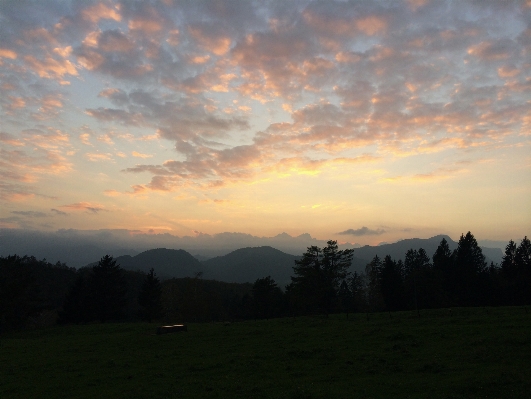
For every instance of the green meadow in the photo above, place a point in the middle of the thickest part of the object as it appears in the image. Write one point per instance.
(463, 353)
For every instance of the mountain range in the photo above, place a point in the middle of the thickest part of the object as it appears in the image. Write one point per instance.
(248, 264)
(77, 248)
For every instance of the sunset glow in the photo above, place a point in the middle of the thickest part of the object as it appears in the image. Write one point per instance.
(361, 121)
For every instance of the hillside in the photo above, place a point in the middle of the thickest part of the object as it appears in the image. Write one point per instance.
(167, 263)
(249, 264)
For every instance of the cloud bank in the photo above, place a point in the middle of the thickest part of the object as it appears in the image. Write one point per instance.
(167, 97)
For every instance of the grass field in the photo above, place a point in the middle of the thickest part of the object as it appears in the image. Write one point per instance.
(470, 353)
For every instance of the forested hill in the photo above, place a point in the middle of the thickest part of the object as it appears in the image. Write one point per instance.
(399, 249)
(168, 263)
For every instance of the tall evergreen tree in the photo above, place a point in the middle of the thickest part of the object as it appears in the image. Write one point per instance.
(78, 305)
(357, 290)
(523, 273)
(108, 289)
(391, 284)
(508, 264)
(267, 298)
(346, 300)
(149, 298)
(470, 268)
(319, 274)
(373, 273)
(442, 258)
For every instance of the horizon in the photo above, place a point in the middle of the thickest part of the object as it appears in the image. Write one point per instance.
(80, 247)
(361, 122)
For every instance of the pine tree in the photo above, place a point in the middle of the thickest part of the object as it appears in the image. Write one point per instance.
(319, 274)
(373, 272)
(267, 298)
(149, 298)
(391, 284)
(78, 305)
(469, 266)
(523, 274)
(108, 289)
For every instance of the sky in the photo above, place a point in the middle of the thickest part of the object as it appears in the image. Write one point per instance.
(359, 121)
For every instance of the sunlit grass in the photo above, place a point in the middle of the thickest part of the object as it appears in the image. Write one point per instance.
(466, 353)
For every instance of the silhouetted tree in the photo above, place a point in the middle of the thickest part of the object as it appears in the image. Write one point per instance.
(267, 298)
(443, 267)
(418, 279)
(346, 300)
(108, 289)
(318, 276)
(522, 273)
(373, 272)
(470, 267)
(391, 284)
(78, 306)
(357, 289)
(508, 264)
(149, 298)
(31, 291)
(18, 293)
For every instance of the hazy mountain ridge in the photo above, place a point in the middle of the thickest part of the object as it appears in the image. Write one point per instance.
(250, 263)
(78, 248)
(168, 263)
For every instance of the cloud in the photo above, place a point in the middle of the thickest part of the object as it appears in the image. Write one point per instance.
(140, 155)
(363, 231)
(241, 89)
(7, 53)
(101, 11)
(84, 206)
(50, 67)
(58, 212)
(96, 157)
(31, 214)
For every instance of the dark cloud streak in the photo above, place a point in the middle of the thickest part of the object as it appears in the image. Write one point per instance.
(363, 231)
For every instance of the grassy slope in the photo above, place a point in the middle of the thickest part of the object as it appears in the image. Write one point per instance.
(471, 353)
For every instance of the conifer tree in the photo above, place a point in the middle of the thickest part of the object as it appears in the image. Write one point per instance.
(108, 289)
(319, 274)
(149, 298)
(469, 266)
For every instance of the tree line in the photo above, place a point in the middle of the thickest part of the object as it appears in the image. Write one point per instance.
(461, 277)
(35, 292)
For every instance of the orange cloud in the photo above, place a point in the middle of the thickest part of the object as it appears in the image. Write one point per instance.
(508, 71)
(101, 11)
(6, 53)
(84, 206)
(145, 25)
(95, 157)
(51, 68)
(213, 42)
(140, 155)
(16, 103)
(112, 193)
(371, 25)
